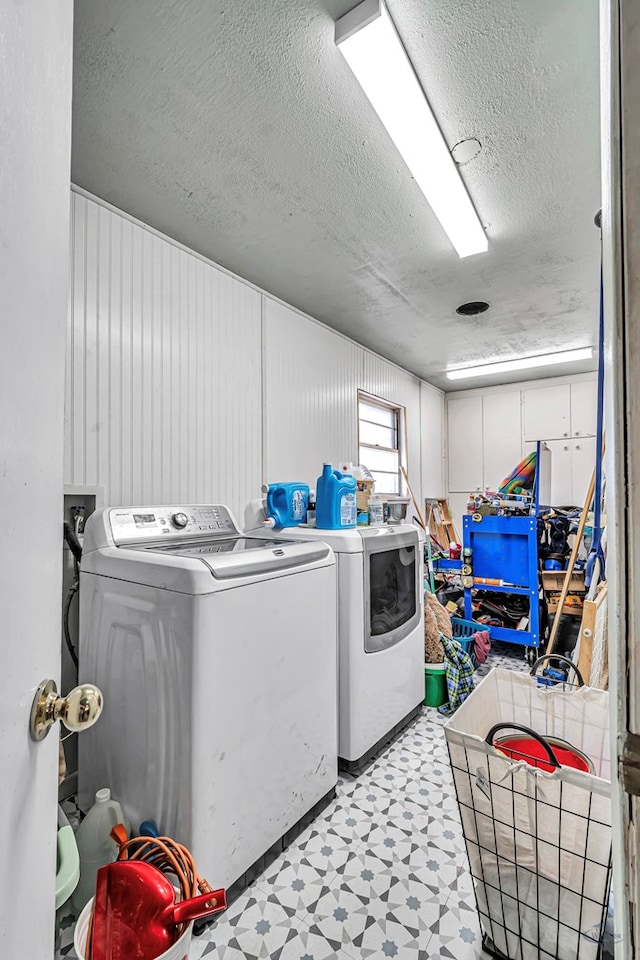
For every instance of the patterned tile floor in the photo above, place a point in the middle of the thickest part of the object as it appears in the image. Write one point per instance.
(382, 873)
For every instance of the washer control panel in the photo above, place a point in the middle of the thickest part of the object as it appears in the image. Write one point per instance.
(140, 524)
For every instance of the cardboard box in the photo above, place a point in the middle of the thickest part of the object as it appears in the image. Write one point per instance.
(364, 491)
(554, 579)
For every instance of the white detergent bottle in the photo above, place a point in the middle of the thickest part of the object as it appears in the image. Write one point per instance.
(95, 846)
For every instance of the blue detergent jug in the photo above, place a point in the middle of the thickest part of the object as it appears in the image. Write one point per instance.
(335, 499)
(287, 503)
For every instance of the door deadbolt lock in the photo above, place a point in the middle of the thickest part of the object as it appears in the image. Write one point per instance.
(78, 711)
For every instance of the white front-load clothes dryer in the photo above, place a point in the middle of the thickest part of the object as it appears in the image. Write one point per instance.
(380, 631)
(217, 657)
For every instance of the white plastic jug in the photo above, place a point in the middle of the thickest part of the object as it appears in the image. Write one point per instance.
(95, 846)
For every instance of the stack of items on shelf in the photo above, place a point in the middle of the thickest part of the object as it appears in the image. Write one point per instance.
(374, 509)
(513, 498)
(495, 504)
(552, 584)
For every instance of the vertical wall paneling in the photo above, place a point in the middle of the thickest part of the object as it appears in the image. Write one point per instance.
(311, 381)
(163, 389)
(464, 450)
(432, 440)
(186, 384)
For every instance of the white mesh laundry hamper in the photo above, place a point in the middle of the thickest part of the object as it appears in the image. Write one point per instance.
(539, 844)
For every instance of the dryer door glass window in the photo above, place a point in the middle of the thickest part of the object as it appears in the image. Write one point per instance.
(392, 595)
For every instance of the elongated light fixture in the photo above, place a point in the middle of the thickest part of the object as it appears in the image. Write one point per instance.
(524, 363)
(371, 46)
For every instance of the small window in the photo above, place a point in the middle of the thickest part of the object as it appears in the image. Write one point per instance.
(380, 441)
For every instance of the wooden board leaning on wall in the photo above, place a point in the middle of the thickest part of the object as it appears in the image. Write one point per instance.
(593, 653)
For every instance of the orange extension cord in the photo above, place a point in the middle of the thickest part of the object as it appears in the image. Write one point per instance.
(170, 857)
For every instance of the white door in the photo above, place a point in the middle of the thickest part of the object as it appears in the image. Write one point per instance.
(620, 23)
(35, 119)
(502, 436)
(547, 412)
(464, 435)
(584, 408)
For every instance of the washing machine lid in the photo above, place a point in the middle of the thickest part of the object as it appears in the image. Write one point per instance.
(188, 549)
(355, 539)
(242, 556)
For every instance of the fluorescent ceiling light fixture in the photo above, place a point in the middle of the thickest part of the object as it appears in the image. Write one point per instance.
(524, 363)
(371, 46)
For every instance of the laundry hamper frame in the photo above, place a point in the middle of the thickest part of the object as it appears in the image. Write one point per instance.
(538, 843)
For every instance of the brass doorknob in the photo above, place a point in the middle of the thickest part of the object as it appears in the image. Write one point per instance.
(78, 711)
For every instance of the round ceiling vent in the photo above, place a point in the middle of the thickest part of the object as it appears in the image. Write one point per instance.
(466, 150)
(472, 308)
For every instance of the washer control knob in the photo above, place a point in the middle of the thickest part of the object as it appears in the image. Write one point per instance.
(180, 520)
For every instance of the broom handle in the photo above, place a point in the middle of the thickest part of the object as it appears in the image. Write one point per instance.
(415, 502)
(569, 571)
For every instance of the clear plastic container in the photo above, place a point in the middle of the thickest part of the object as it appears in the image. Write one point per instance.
(95, 846)
(376, 512)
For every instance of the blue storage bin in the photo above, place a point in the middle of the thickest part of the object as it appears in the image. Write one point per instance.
(463, 631)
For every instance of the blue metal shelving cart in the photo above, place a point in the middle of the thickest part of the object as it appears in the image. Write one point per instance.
(505, 546)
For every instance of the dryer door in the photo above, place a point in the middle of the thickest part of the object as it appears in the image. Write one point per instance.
(392, 585)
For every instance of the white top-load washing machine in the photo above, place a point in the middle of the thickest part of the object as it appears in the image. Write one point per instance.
(380, 630)
(217, 657)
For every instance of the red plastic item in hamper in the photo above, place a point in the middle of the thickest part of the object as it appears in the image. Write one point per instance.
(545, 753)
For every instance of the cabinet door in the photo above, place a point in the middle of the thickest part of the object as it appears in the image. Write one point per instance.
(584, 405)
(502, 436)
(464, 415)
(561, 473)
(583, 460)
(547, 412)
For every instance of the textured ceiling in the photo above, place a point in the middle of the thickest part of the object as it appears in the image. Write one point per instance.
(237, 128)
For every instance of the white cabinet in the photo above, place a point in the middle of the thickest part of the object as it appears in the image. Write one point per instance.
(561, 473)
(583, 460)
(490, 432)
(547, 412)
(502, 436)
(572, 463)
(584, 404)
(465, 443)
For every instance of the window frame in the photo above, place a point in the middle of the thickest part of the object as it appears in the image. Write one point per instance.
(399, 413)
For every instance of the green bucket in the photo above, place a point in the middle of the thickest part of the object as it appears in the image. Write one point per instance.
(435, 685)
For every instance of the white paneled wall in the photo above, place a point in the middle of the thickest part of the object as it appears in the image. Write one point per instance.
(164, 369)
(186, 384)
(433, 442)
(311, 389)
